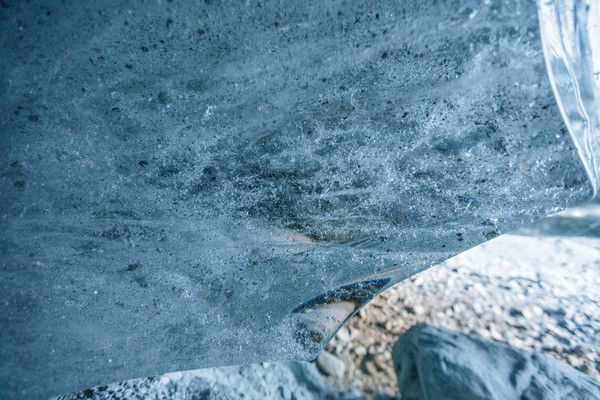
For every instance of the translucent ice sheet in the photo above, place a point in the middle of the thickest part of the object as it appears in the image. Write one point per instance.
(193, 184)
(571, 40)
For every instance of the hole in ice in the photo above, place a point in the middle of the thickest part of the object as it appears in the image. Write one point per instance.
(316, 321)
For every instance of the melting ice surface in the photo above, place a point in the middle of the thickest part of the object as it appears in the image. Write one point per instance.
(187, 185)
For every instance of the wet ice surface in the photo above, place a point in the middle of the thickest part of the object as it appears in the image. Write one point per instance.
(176, 179)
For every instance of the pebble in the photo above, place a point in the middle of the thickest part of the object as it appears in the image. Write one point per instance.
(360, 350)
(419, 309)
(330, 365)
(343, 335)
(496, 335)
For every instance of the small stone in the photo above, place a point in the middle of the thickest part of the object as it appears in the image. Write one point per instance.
(515, 313)
(164, 380)
(331, 365)
(343, 336)
(419, 309)
(419, 281)
(496, 335)
(360, 350)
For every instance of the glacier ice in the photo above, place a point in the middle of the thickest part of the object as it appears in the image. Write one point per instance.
(194, 184)
(571, 41)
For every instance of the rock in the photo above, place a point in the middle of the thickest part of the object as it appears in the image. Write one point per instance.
(419, 309)
(343, 335)
(285, 381)
(435, 363)
(331, 365)
(360, 350)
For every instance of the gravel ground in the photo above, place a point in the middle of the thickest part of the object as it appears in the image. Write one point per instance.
(538, 290)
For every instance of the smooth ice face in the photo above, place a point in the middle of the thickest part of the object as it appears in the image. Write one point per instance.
(186, 185)
(571, 40)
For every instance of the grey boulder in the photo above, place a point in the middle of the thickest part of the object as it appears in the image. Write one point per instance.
(436, 363)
